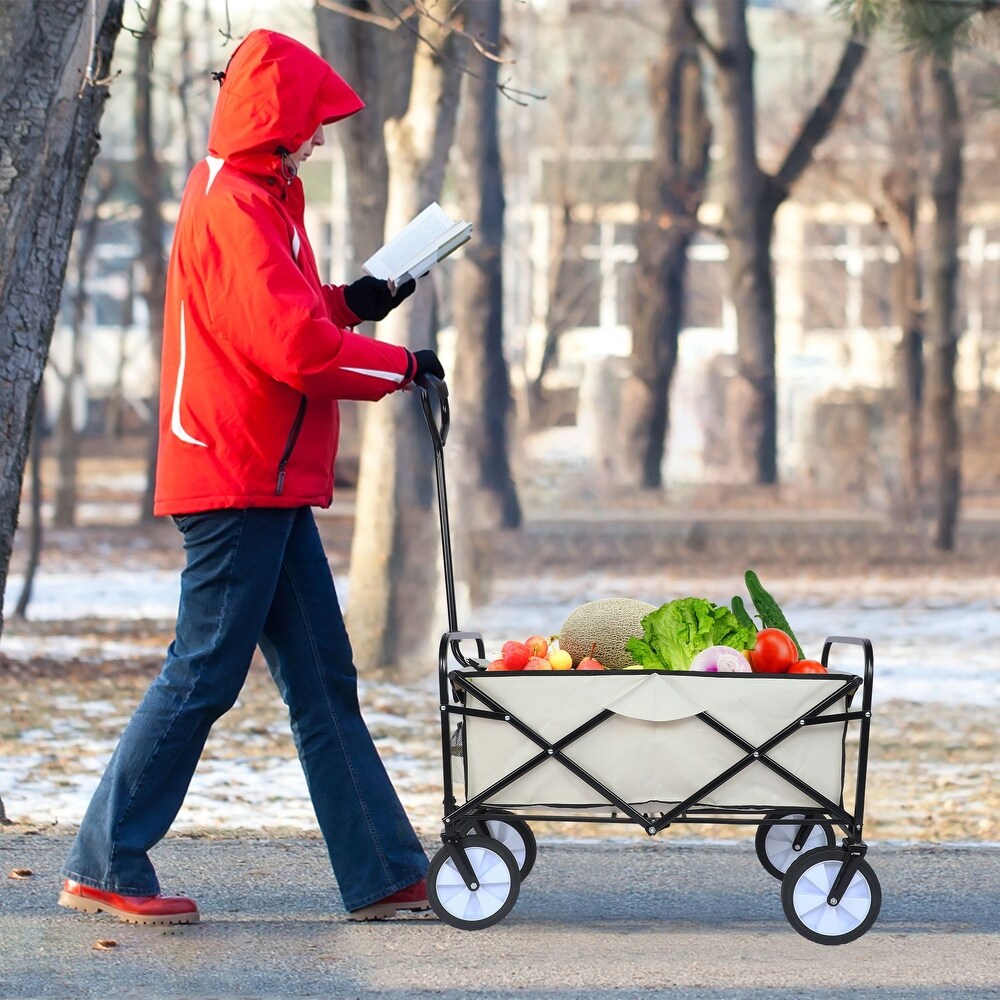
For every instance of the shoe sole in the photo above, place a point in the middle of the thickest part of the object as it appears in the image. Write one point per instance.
(84, 905)
(384, 911)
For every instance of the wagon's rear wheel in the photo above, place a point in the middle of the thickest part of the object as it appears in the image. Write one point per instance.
(776, 843)
(494, 890)
(515, 835)
(805, 894)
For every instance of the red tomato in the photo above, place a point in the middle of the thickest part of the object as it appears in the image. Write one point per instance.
(807, 667)
(774, 652)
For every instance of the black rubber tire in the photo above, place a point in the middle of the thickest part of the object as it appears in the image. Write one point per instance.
(494, 897)
(773, 842)
(803, 898)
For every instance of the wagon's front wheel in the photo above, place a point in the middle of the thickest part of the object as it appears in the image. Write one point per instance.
(494, 888)
(780, 844)
(805, 893)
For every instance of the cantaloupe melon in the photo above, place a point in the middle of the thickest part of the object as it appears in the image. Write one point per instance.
(609, 623)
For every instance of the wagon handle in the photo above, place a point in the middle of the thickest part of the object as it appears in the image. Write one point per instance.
(866, 721)
(429, 386)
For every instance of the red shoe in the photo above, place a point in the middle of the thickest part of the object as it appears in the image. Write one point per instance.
(132, 909)
(413, 897)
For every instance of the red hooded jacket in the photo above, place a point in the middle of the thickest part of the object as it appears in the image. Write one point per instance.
(255, 354)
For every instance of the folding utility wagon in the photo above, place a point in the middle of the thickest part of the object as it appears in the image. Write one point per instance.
(762, 749)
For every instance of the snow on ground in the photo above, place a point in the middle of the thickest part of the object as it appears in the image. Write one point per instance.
(934, 640)
(935, 643)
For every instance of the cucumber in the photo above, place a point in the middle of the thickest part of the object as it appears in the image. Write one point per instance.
(742, 615)
(771, 616)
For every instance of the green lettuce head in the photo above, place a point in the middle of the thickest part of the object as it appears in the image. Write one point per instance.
(676, 633)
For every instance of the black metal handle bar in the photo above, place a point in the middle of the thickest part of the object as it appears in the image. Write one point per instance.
(431, 386)
(434, 390)
(856, 836)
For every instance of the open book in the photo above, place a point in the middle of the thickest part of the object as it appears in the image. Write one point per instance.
(430, 237)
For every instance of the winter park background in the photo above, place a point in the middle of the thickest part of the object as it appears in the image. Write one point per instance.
(103, 607)
(845, 535)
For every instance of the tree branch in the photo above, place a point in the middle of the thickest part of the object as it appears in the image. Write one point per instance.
(817, 125)
(704, 41)
(403, 19)
(379, 20)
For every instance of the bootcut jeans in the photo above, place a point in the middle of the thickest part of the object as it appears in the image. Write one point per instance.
(257, 576)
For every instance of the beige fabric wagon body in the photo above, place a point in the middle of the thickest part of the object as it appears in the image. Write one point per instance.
(654, 752)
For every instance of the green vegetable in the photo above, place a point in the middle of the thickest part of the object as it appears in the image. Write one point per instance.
(741, 613)
(771, 616)
(676, 633)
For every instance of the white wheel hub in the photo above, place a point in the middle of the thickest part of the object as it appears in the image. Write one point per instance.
(509, 837)
(492, 878)
(809, 899)
(780, 841)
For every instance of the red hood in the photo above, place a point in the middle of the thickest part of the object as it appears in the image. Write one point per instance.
(276, 92)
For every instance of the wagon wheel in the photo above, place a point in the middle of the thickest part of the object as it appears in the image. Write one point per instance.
(807, 885)
(515, 835)
(496, 884)
(775, 843)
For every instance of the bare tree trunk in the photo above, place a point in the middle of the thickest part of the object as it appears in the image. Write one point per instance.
(481, 382)
(899, 209)
(36, 536)
(115, 413)
(750, 200)
(378, 63)
(748, 230)
(669, 194)
(67, 438)
(50, 106)
(149, 188)
(942, 332)
(563, 300)
(187, 73)
(394, 561)
(561, 306)
(49, 111)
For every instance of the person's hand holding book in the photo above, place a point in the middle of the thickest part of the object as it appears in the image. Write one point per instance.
(371, 298)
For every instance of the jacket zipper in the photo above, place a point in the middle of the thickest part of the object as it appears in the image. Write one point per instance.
(293, 436)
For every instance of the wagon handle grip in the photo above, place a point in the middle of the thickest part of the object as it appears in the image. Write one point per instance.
(431, 389)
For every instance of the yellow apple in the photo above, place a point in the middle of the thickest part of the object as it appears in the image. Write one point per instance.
(560, 659)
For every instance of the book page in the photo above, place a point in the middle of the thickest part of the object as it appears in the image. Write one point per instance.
(420, 240)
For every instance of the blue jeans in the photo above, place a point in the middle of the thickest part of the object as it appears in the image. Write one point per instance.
(257, 576)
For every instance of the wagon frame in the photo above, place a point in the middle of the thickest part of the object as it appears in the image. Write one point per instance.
(829, 893)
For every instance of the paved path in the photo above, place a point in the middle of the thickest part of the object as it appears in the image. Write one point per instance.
(626, 919)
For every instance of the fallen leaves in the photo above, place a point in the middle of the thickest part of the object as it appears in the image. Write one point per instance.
(105, 944)
(20, 873)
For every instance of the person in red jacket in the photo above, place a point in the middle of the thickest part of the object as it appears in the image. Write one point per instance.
(256, 352)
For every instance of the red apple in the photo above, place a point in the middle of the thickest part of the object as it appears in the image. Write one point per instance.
(515, 655)
(589, 663)
(537, 663)
(497, 665)
(537, 645)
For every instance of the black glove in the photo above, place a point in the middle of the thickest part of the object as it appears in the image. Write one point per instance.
(370, 298)
(428, 364)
